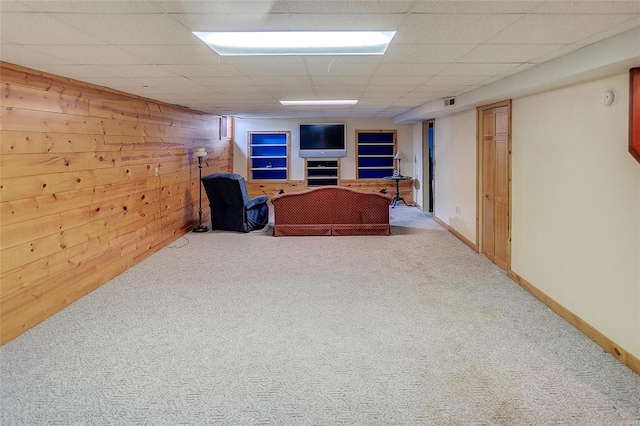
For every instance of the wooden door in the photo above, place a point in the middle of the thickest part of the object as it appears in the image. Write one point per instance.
(495, 185)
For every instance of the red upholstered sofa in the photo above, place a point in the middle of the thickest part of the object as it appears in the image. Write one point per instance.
(331, 210)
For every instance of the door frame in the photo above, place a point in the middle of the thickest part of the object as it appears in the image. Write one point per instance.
(428, 169)
(479, 156)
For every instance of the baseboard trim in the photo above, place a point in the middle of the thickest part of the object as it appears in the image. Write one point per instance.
(585, 328)
(456, 233)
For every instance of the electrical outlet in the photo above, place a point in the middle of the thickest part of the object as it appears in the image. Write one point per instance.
(458, 210)
(157, 171)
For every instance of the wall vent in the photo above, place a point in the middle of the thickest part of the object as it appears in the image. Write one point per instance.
(449, 101)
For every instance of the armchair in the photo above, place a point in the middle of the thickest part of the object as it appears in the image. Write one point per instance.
(231, 208)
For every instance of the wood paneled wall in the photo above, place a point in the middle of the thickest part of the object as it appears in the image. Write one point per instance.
(270, 188)
(92, 182)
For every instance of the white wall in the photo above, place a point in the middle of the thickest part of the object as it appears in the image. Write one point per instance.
(576, 205)
(455, 172)
(575, 200)
(347, 164)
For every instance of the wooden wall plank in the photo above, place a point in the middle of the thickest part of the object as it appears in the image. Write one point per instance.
(256, 188)
(80, 199)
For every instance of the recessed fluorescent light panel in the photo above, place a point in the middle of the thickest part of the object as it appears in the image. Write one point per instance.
(232, 43)
(320, 102)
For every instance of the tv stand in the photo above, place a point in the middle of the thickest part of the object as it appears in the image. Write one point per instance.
(321, 172)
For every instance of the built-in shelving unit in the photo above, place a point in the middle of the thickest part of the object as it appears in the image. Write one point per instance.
(322, 172)
(268, 155)
(375, 151)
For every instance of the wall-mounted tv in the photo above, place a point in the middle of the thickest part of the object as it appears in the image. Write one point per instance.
(323, 140)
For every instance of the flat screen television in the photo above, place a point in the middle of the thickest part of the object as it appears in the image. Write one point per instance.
(323, 140)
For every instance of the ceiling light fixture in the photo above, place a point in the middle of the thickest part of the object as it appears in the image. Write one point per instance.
(320, 102)
(228, 43)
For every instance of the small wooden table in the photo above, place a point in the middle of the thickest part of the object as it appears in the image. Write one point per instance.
(397, 197)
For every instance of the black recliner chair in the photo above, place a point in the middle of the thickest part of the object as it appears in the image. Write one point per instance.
(231, 208)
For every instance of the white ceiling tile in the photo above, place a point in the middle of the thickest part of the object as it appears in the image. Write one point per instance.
(452, 29)
(587, 7)
(470, 6)
(390, 80)
(367, 101)
(338, 80)
(272, 69)
(174, 55)
(77, 71)
(555, 29)
(478, 69)
(89, 55)
(505, 53)
(410, 103)
(349, 7)
(346, 60)
(282, 80)
(392, 91)
(7, 6)
(221, 81)
(436, 90)
(117, 83)
(38, 28)
(260, 7)
(138, 70)
(403, 69)
(341, 69)
(95, 7)
(190, 92)
(281, 92)
(130, 29)
(234, 22)
(386, 22)
(442, 48)
(26, 56)
(457, 80)
(143, 91)
(340, 92)
(163, 81)
(425, 53)
(237, 90)
(209, 70)
(259, 60)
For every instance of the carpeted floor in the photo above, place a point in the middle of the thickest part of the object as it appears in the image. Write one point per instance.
(247, 329)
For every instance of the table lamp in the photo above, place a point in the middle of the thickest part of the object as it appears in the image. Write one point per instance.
(398, 157)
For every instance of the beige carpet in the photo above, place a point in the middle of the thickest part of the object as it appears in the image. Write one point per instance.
(248, 329)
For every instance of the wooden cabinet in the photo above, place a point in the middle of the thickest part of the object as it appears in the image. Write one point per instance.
(322, 172)
(268, 155)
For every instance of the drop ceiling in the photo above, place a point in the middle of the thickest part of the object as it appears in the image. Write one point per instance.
(442, 49)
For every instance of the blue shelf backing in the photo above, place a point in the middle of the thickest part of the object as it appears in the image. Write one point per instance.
(268, 155)
(375, 154)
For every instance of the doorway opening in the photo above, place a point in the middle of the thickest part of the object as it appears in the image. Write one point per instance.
(428, 165)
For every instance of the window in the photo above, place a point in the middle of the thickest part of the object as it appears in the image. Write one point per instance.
(375, 151)
(268, 155)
